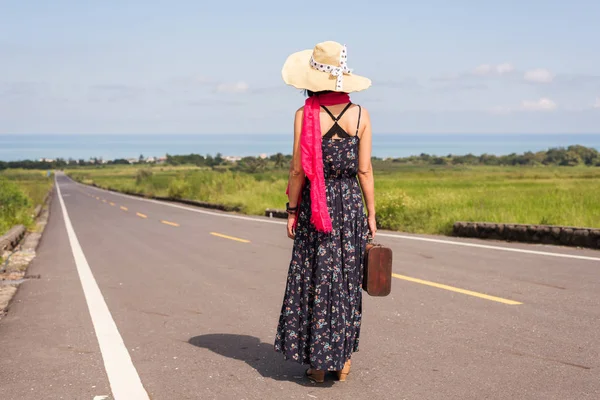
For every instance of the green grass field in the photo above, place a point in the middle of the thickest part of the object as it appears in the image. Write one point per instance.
(419, 199)
(20, 192)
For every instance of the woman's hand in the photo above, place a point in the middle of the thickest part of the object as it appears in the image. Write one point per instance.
(372, 225)
(291, 231)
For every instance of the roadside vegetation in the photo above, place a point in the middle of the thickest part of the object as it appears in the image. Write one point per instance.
(420, 194)
(409, 197)
(20, 192)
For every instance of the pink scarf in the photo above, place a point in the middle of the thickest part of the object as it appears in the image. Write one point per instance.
(312, 156)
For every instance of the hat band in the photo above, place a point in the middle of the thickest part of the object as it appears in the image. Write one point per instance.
(334, 70)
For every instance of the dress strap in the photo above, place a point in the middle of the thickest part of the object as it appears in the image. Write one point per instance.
(358, 125)
(343, 111)
(336, 119)
(328, 112)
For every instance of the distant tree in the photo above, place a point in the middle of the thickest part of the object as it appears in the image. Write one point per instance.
(525, 159)
(488, 159)
(425, 157)
(210, 161)
(252, 164)
(588, 155)
(571, 159)
(279, 160)
(555, 156)
(468, 159)
(540, 156)
(198, 160)
(141, 159)
(172, 160)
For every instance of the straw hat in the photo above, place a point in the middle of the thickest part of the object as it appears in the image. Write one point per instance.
(323, 68)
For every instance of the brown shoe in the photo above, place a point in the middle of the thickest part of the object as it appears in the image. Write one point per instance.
(315, 375)
(344, 373)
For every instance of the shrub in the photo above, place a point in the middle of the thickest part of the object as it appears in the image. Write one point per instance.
(143, 175)
(393, 210)
(14, 206)
(179, 189)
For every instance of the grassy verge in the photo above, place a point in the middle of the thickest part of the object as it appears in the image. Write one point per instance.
(419, 199)
(20, 192)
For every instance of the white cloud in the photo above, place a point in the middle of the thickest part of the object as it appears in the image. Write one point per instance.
(597, 105)
(489, 69)
(505, 68)
(484, 69)
(539, 75)
(238, 87)
(543, 104)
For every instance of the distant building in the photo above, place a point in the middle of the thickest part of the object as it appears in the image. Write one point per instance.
(49, 160)
(132, 160)
(151, 160)
(263, 156)
(161, 160)
(232, 158)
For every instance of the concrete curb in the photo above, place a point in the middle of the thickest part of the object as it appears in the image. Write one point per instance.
(274, 213)
(15, 235)
(542, 234)
(18, 261)
(12, 238)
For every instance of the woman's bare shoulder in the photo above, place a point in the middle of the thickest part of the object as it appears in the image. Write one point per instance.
(299, 114)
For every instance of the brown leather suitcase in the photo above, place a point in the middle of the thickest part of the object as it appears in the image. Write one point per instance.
(377, 280)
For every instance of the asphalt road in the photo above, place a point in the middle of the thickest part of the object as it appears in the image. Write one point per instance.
(147, 300)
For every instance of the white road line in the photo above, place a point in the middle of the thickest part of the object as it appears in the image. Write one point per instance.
(391, 235)
(124, 380)
(485, 246)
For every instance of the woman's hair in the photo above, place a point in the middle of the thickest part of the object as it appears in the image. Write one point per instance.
(310, 93)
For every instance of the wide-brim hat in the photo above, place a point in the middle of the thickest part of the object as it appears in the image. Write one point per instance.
(323, 68)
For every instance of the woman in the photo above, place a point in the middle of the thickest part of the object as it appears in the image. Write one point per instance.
(322, 308)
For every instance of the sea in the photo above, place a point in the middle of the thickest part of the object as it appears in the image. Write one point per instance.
(108, 147)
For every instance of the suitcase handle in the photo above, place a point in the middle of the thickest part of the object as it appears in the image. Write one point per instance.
(371, 241)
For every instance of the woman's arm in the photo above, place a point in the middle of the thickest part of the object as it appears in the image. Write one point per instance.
(296, 177)
(365, 170)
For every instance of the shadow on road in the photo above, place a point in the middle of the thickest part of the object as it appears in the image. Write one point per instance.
(256, 354)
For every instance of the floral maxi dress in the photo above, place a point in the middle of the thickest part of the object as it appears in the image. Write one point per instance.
(322, 308)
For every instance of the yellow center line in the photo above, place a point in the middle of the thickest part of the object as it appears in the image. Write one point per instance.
(141, 215)
(458, 290)
(169, 223)
(104, 201)
(230, 237)
(112, 204)
(124, 208)
(97, 198)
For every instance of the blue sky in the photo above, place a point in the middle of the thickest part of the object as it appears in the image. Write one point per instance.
(188, 66)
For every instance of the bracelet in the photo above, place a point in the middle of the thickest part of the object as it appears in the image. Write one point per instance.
(290, 210)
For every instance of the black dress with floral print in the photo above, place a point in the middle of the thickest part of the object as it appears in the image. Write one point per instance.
(322, 307)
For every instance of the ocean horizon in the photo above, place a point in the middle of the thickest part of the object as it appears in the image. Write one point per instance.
(112, 146)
